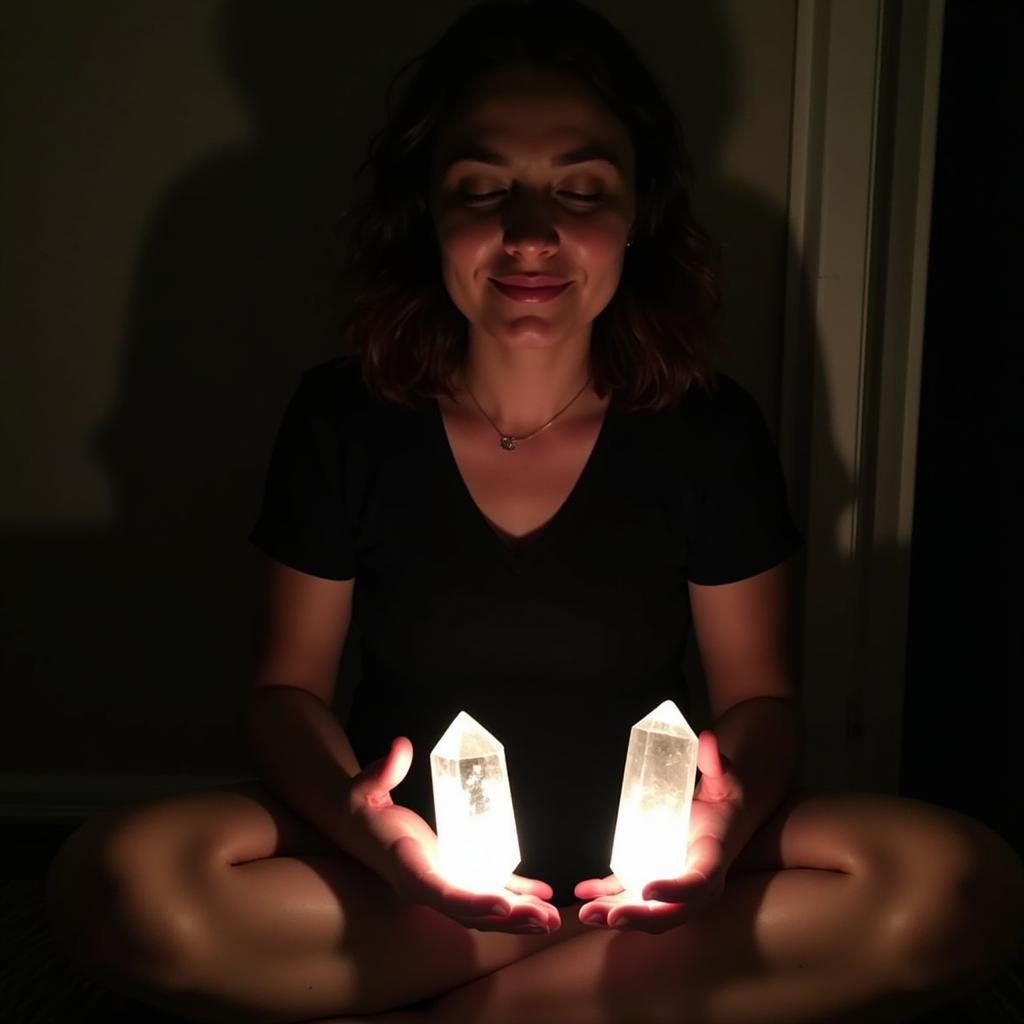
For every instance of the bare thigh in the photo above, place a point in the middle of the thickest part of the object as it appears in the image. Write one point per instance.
(842, 902)
(230, 907)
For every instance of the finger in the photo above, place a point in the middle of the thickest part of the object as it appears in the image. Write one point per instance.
(519, 926)
(501, 911)
(549, 915)
(534, 917)
(521, 902)
(709, 759)
(394, 767)
(374, 783)
(526, 914)
(718, 778)
(654, 923)
(531, 908)
(529, 886)
(592, 888)
(675, 890)
(597, 911)
(630, 915)
(485, 911)
(643, 917)
(466, 905)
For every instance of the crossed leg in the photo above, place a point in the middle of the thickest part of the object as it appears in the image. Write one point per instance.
(844, 907)
(222, 906)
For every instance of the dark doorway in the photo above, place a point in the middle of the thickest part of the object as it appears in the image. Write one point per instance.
(962, 743)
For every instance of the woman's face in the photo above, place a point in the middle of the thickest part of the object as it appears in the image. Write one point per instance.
(508, 196)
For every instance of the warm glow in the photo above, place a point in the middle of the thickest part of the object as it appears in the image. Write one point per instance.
(478, 847)
(652, 829)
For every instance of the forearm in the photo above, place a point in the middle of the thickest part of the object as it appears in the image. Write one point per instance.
(305, 758)
(762, 739)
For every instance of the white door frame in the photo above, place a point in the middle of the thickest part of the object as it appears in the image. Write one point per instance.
(865, 105)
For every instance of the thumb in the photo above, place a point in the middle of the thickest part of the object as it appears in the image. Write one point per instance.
(717, 774)
(708, 755)
(379, 777)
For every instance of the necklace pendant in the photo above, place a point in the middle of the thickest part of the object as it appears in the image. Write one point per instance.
(508, 443)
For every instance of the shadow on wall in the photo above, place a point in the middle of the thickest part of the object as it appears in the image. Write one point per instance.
(131, 648)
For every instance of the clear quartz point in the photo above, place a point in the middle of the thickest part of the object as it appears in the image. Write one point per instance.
(478, 846)
(652, 828)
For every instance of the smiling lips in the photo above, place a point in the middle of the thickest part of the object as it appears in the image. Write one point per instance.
(530, 293)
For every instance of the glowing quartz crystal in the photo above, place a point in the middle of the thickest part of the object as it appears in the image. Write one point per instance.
(478, 846)
(652, 829)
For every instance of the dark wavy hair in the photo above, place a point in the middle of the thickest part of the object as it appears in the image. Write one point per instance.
(655, 336)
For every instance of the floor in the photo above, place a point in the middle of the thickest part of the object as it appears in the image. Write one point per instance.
(39, 986)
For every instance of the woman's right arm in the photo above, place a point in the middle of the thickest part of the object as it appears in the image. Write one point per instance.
(300, 748)
(305, 758)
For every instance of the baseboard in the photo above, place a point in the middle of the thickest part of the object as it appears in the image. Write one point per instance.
(66, 798)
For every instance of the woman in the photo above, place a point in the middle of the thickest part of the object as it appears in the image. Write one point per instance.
(535, 474)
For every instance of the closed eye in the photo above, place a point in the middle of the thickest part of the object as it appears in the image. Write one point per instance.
(577, 196)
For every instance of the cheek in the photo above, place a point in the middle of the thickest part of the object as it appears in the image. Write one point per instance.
(467, 252)
(599, 250)
(598, 240)
(465, 244)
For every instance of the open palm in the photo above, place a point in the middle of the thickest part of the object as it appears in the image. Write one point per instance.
(666, 903)
(410, 862)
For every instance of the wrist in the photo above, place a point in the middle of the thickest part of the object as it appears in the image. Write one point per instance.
(761, 739)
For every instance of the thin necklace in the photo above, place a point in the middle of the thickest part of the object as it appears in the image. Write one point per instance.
(509, 441)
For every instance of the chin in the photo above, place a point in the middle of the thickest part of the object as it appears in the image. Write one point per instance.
(530, 342)
(528, 332)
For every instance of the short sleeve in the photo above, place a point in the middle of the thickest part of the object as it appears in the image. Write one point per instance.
(740, 522)
(304, 520)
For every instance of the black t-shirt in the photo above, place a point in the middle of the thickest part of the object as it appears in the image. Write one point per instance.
(557, 645)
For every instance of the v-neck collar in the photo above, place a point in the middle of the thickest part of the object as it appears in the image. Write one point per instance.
(523, 551)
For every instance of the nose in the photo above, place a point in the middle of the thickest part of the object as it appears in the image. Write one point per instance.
(530, 223)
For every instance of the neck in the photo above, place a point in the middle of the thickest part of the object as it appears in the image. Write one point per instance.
(521, 391)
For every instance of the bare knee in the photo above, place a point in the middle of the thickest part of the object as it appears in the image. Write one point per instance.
(115, 904)
(956, 915)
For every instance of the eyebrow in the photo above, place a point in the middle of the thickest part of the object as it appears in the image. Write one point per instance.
(583, 154)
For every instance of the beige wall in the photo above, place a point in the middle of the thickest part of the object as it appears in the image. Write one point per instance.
(170, 177)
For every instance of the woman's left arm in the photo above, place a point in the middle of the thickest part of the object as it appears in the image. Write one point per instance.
(748, 759)
(760, 738)
(746, 639)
